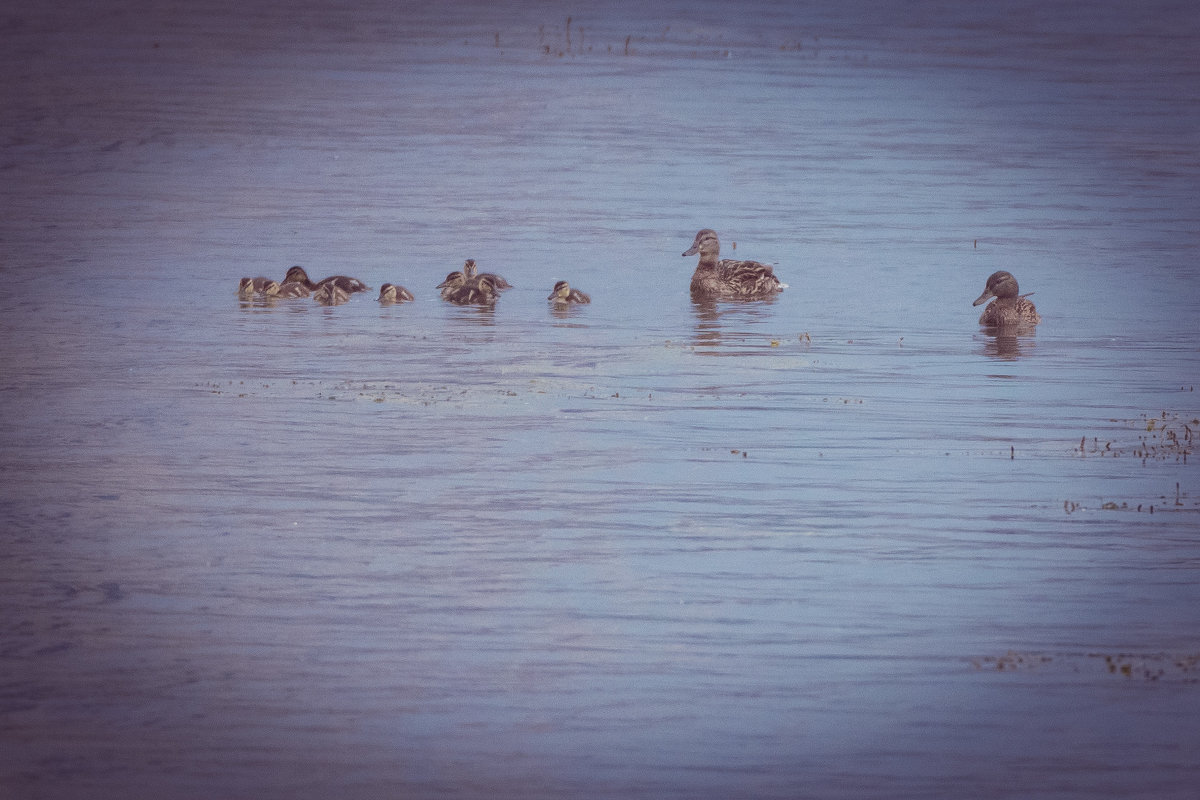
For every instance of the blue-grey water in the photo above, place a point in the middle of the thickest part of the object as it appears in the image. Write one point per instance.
(845, 544)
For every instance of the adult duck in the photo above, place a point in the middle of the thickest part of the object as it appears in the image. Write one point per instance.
(345, 283)
(1009, 308)
(727, 279)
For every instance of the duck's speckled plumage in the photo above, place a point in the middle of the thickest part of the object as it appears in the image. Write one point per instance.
(728, 279)
(393, 293)
(253, 286)
(471, 271)
(330, 294)
(344, 282)
(1009, 309)
(478, 291)
(289, 289)
(563, 294)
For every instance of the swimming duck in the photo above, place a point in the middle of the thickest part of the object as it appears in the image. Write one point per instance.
(453, 282)
(347, 284)
(252, 286)
(330, 294)
(726, 278)
(563, 294)
(289, 289)
(1009, 308)
(469, 270)
(479, 291)
(391, 293)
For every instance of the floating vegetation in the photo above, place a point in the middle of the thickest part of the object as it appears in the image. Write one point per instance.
(1163, 437)
(1183, 668)
(1178, 502)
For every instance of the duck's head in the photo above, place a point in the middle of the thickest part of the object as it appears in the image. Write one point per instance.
(486, 286)
(271, 289)
(387, 292)
(705, 244)
(469, 268)
(246, 286)
(999, 285)
(296, 273)
(561, 291)
(454, 279)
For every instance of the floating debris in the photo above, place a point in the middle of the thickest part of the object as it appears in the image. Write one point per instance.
(1182, 668)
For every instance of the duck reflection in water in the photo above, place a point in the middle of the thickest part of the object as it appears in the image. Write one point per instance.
(715, 323)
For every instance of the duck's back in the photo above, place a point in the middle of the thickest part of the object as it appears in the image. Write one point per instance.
(733, 278)
(1010, 312)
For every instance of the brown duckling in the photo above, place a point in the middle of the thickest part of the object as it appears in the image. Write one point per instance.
(252, 286)
(563, 294)
(290, 289)
(391, 293)
(470, 271)
(347, 284)
(726, 279)
(480, 291)
(330, 294)
(1009, 308)
(453, 282)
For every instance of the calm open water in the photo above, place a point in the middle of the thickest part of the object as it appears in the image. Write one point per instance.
(842, 544)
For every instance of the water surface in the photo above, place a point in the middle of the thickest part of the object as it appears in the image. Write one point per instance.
(841, 544)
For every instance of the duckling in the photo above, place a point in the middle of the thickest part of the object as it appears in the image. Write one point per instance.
(347, 284)
(480, 291)
(453, 282)
(563, 294)
(1009, 308)
(469, 270)
(728, 279)
(330, 294)
(391, 293)
(252, 286)
(289, 289)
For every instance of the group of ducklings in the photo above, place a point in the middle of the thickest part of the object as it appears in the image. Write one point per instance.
(715, 278)
(466, 286)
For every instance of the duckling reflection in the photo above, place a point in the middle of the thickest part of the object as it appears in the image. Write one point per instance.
(345, 283)
(1009, 309)
(391, 293)
(727, 279)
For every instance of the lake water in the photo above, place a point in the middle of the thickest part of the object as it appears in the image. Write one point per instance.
(841, 544)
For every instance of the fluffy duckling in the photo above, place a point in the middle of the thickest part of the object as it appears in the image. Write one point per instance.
(563, 294)
(1009, 308)
(480, 291)
(453, 282)
(391, 293)
(347, 284)
(252, 286)
(470, 271)
(330, 294)
(289, 289)
(726, 279)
